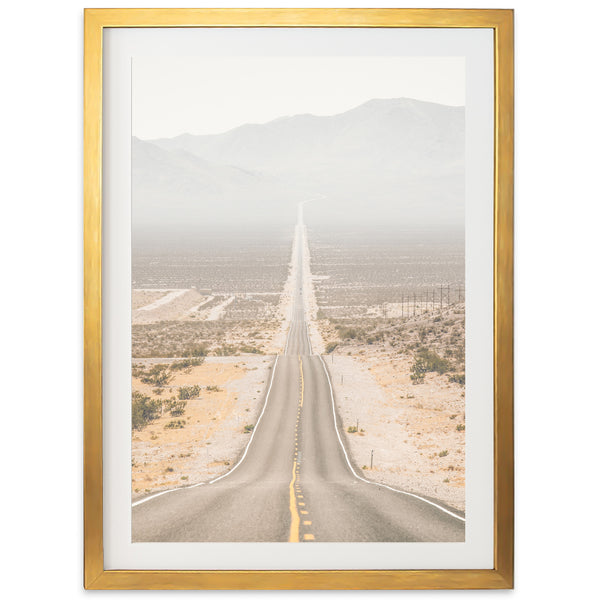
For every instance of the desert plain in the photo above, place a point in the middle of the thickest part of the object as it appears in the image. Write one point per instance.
(388, 318)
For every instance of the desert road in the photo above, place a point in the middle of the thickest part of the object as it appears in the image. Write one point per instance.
(295, 481)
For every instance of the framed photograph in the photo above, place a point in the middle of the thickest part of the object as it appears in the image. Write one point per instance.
(298, 299)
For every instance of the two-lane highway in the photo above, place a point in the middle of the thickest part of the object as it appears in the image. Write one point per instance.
(295, 481)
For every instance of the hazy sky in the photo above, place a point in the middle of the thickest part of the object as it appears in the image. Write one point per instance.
(210, 95)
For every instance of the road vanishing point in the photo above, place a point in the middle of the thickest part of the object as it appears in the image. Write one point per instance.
(295, 481)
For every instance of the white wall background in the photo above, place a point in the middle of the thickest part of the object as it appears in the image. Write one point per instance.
(557, 297)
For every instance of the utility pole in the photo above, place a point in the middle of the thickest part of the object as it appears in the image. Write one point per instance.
(371, 459)
(441, 296)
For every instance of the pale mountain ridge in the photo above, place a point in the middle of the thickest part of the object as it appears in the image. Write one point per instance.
(396, 131)
(175, 191)
(389, 160)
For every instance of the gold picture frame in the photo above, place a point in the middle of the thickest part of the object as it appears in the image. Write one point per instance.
(501, 576)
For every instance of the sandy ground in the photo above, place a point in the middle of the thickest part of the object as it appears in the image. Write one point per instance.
(169, 305)
(197, 307)
(163, 300)
(411, 429)
(216, 312)
(142, 298)
(213, 437)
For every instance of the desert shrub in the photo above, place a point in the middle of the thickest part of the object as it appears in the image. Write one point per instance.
(137, 370)
(189, 391)
(460, 427)
(225, 350)
(352, 429)
(433, 361)
(250, 350)
(158, 375)
(348, 333)
(195, 350)
(375, 337)
(213, 388)
(175, 424)
(459, 354)
(248, 428)
(144, 410)
(418, 371)
(331, 346)
(186, 363)
(427, 361)
(176, 408)
(443, 453)
(457, 378)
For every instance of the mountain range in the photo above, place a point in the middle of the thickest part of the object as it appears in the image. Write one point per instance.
(398, 161)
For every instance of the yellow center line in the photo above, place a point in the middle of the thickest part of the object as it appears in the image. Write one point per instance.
(301, 382)
(295, 524)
